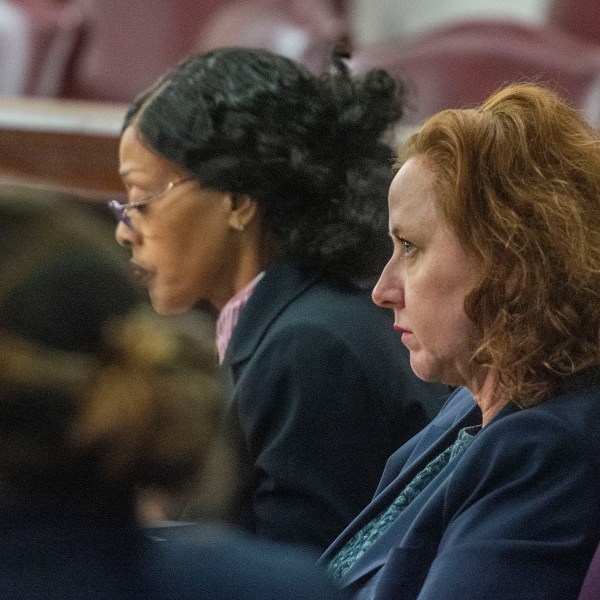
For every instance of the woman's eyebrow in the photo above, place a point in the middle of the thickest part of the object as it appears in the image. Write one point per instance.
(124, 173)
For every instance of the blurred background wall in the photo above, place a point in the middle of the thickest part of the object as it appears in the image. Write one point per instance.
(68, 68)
(111, 49)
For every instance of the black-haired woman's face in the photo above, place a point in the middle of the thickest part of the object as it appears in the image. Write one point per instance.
(180, 240)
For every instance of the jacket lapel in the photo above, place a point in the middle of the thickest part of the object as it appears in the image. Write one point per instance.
(282, 283)
(462, 411)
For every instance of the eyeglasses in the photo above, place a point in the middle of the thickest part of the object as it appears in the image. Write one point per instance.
(121, 211)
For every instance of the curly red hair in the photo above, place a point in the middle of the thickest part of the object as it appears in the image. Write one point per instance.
(518, 182)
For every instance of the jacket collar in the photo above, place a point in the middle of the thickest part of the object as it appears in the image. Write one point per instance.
(437, 436)
(283, 282)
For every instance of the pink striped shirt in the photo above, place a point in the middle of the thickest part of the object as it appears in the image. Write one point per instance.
(230, 314)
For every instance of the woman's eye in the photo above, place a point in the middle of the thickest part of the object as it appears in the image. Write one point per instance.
(138, 201)
(407, 246)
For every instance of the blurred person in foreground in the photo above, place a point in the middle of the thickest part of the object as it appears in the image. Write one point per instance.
(494, 283)
(260, 188)
(99, 399)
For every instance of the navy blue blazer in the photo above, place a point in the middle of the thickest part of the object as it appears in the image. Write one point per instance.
(516, 516)
(323, 394)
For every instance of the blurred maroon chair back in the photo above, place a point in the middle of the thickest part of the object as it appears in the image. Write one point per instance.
(461, 65)
(130, 43)
(40, 46)
(578, 17)
(304, 30)
(591, 584)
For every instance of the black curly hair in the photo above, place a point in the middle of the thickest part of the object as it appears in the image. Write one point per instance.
(311, 150)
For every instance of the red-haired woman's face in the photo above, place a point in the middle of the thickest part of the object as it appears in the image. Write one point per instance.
(427, 279)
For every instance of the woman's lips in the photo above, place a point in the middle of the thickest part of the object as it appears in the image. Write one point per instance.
(404, 333)
(141, 275)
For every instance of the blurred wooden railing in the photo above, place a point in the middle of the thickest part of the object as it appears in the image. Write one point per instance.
(61, 145)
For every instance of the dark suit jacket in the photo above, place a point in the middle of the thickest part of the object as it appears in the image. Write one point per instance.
(323, 394)
(516, 516)
(55, 552)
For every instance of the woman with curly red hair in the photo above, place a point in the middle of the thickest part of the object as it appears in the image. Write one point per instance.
(494, 283)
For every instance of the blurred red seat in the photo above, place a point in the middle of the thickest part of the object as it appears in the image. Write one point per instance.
(591, 584)
(578, 17)
(304, 30)
(129, 43)
(38, 41)
(460, 65)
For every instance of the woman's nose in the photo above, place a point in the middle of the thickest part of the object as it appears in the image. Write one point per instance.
(124, 234)
(389, 291)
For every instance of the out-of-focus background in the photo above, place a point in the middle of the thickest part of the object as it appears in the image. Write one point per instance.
(69, 67)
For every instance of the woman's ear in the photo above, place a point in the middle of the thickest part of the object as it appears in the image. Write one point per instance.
(243, 211)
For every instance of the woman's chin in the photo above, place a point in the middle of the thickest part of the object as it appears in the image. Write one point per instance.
(434, 372)
(425, 369)
(168, 306)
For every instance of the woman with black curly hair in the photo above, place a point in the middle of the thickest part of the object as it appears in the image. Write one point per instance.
(261, 188)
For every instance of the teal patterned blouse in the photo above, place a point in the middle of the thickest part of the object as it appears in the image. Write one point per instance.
(369, 533)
